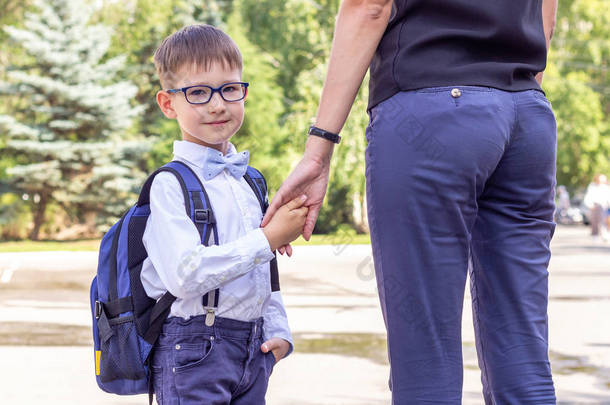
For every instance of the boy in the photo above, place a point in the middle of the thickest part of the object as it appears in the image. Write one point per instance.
(228, 362)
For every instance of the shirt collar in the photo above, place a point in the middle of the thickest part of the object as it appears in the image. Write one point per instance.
(197, 154)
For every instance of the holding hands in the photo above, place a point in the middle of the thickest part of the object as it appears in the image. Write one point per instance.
(287, 223)
(309, 178)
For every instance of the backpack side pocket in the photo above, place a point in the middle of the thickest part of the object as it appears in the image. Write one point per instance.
(120, 351)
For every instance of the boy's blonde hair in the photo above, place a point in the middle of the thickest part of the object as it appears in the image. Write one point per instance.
(195, 46)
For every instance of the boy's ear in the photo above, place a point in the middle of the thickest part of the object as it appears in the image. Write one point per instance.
(164, 100)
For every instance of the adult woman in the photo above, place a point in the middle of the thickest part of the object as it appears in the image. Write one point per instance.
(460, 167)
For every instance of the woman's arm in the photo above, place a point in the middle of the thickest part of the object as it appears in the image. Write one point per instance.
(549, 17)
(359, 28)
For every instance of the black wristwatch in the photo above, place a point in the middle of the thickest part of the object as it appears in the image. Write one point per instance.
(313, 130)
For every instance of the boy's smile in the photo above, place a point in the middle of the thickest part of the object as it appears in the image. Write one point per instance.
(211, 124)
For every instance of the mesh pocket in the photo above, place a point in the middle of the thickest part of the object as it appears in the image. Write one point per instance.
(120, 359)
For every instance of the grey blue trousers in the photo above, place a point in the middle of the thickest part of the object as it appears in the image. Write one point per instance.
(462, 179)
(195, 364)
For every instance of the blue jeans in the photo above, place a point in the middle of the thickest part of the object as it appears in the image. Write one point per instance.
(194, 364)
(461, 179)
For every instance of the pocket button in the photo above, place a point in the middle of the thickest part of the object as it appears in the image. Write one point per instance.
(455, 93)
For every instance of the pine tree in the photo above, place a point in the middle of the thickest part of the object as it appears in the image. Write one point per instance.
(69, 128)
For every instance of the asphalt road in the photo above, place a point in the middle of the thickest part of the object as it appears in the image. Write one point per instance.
(329, 292)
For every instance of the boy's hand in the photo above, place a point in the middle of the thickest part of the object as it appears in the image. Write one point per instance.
(287, 223)
(278, 346)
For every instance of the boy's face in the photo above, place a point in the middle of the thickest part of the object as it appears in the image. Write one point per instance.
(211, 124)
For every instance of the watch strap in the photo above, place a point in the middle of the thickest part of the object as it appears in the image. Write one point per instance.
(313, 130)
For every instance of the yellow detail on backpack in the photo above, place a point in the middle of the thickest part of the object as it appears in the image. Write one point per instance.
(98, 355)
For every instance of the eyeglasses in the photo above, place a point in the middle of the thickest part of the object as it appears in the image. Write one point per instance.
(202, 94)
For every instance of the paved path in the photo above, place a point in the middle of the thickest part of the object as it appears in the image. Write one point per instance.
(333, 307)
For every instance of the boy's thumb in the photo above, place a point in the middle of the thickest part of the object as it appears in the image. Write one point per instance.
(268, 346)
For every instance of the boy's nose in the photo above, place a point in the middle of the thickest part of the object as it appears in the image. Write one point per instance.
(216, 102)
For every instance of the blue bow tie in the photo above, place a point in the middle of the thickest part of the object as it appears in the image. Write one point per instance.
(235, 163)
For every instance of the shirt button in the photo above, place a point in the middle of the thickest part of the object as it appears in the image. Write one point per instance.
(177, 347)
(257, 260)
(455, 93)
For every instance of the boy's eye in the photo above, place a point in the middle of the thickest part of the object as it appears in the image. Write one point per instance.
(199, 92)
(229, 89)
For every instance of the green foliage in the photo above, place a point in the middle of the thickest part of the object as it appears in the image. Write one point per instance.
(48, 146)
(15, 217)
(291, 33)
(578, 85)
(261, 132)
(346, 185)
(582, 147)
(66, 128)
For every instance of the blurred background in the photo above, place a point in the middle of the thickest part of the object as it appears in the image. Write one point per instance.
(80, 130)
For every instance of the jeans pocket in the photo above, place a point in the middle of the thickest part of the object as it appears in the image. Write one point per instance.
(269, 362)
(189, 355)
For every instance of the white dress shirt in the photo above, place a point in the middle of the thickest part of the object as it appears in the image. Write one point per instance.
(239, 265)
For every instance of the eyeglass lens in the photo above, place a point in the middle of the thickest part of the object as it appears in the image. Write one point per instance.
(203, 94)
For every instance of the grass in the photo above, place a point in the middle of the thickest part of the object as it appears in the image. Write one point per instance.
(365, 345)
(335, 239)
(94, 244)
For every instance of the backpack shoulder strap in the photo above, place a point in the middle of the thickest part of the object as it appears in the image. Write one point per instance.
(258, 184)
(196, 201)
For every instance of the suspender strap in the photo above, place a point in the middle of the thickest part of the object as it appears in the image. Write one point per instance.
(275, 274)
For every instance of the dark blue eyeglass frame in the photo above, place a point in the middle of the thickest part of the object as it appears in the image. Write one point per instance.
(212, 91)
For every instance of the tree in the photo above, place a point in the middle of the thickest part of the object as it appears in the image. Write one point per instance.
(297, 35)
(582, 146)
(289, 31)
(578, 84)
(66, 129)
(345, 198)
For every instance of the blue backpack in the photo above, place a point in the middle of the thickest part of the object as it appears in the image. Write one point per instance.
(126, 322)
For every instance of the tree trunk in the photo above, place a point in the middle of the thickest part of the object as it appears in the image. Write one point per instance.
(39, 216)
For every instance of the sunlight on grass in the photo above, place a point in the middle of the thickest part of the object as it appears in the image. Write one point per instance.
(94, 244)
